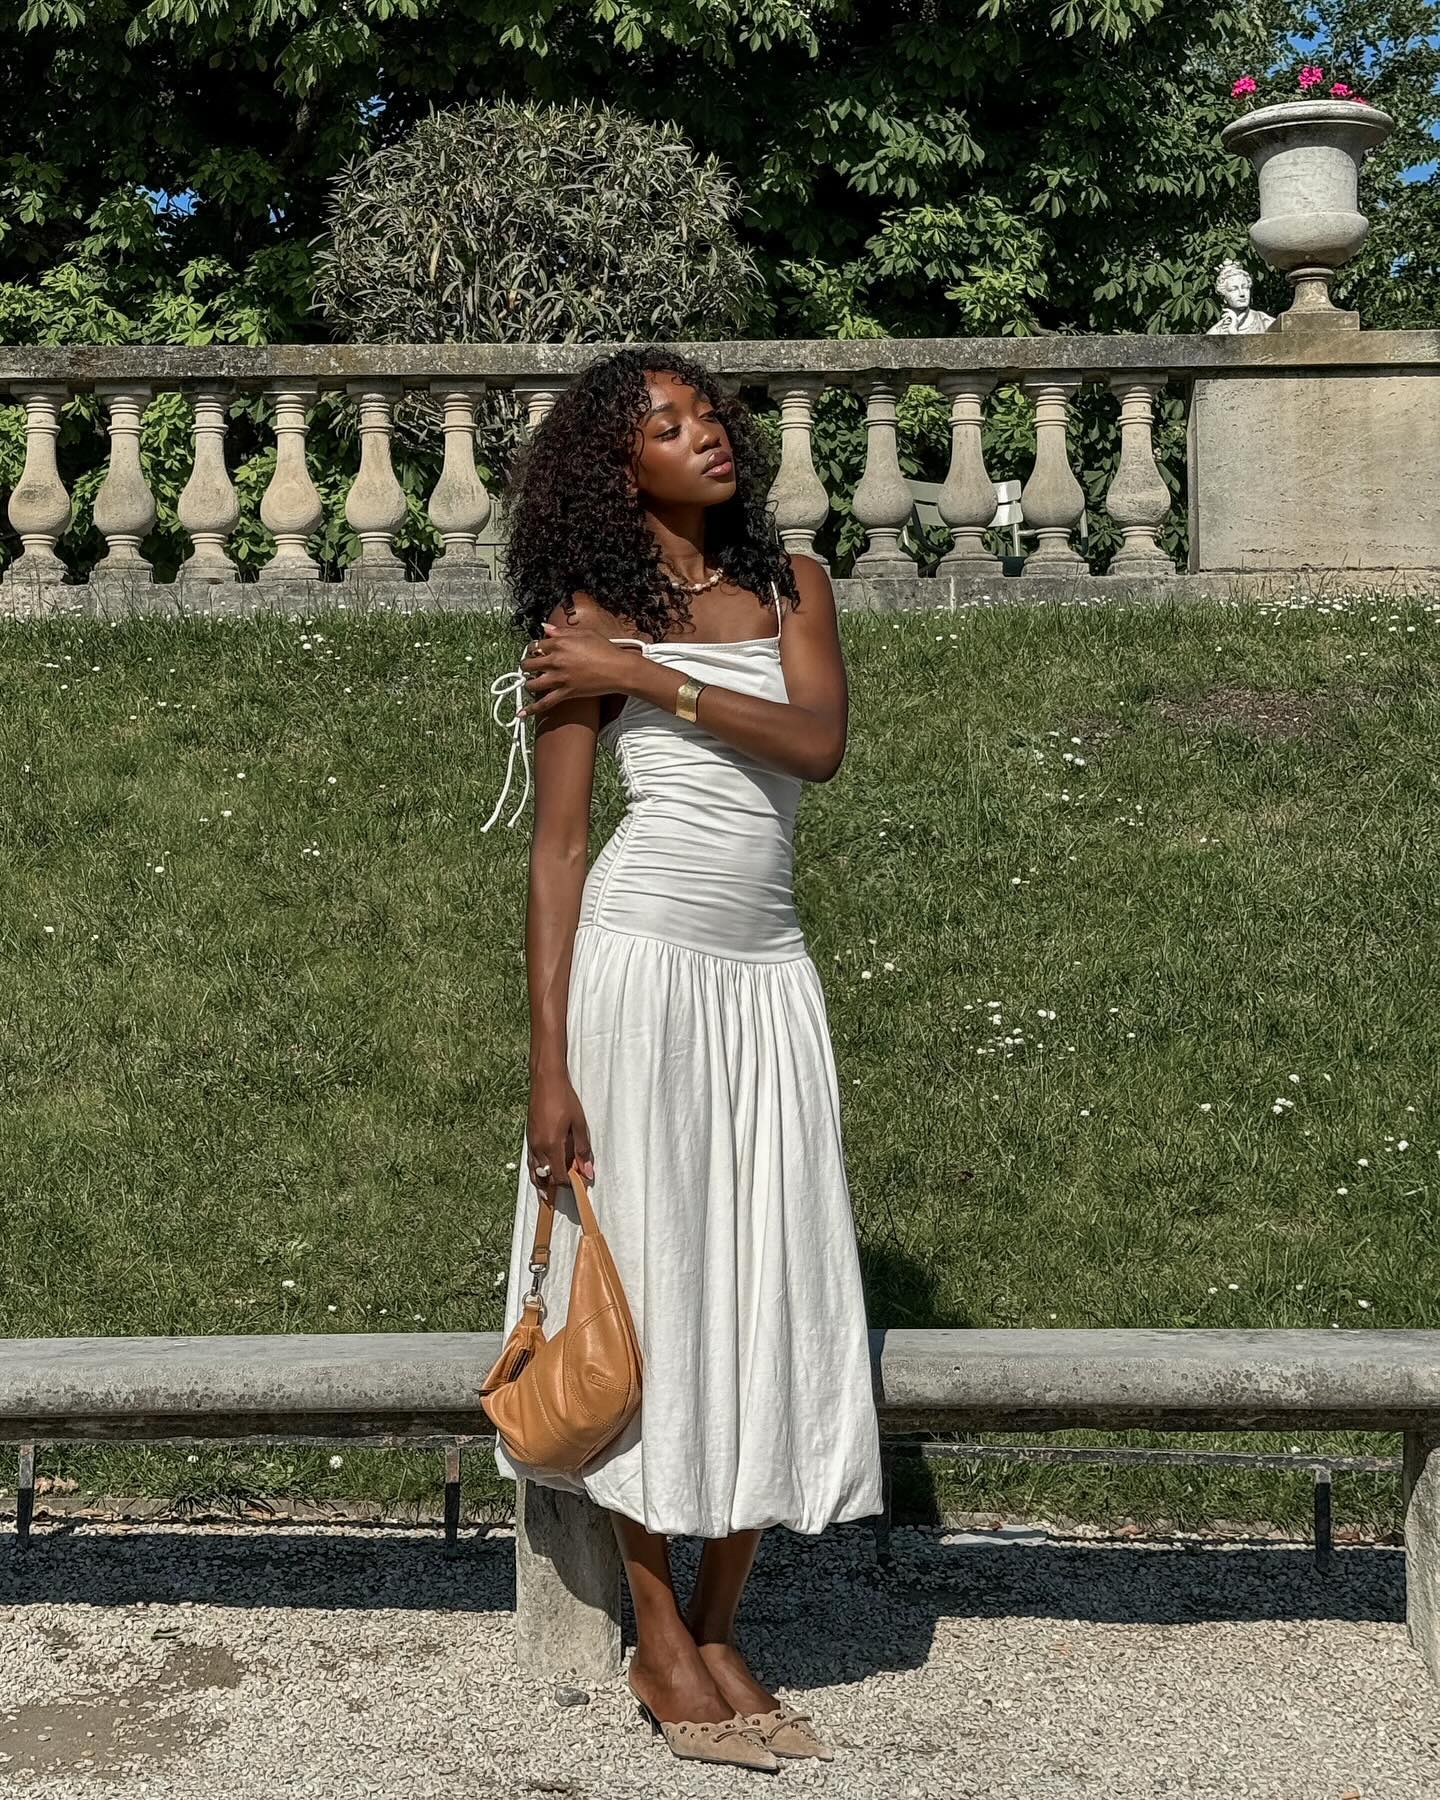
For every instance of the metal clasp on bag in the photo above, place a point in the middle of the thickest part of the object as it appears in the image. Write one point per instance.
(536, 1271)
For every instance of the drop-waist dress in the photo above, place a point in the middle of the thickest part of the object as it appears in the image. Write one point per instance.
(699, 1048)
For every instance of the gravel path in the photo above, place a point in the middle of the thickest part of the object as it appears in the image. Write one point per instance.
(241, 1662)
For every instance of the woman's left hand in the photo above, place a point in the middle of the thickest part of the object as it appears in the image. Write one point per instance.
(571, 661)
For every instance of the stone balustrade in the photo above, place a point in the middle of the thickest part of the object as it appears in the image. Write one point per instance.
(1267, 464)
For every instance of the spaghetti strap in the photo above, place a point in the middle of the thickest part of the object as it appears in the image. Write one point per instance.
(779, 611)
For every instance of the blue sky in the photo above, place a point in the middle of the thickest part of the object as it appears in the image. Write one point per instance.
(1417, 171)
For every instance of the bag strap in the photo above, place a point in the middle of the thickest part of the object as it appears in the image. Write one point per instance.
(545, 1220)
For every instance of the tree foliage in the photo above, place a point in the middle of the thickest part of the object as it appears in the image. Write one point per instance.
(906, 166)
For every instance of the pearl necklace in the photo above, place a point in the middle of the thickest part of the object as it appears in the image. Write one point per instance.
(691, 587)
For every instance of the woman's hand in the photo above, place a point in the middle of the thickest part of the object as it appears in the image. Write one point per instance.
(571, 661)
(557, 1133)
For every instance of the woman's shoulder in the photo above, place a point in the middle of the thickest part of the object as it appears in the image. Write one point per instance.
(810, 575)
(583, 608)
(812, 580)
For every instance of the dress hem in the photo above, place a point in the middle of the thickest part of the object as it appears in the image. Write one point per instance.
(578, 1488)
(796, 1525)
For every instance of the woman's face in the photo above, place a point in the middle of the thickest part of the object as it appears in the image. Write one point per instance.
(683, 454)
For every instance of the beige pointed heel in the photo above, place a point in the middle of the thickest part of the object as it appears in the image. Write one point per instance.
(704, 1740)
(784, 1732)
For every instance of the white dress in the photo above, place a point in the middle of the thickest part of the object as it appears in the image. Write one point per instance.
(700, 1052)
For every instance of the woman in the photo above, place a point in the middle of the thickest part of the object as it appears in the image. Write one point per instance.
(679, 1045)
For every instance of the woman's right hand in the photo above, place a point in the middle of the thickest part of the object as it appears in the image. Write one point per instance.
(574, 662)
(557, 1132)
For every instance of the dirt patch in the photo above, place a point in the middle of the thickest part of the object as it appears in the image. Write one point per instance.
(103, 1733)
(1095, 728)
(1261, 713)
(194, 1669)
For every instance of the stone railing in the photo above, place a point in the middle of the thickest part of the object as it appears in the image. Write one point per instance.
(1307, 451)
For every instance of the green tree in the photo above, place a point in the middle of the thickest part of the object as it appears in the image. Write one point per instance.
(1033, 164)
(1026, 165)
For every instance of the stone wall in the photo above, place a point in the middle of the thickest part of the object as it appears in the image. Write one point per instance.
(1308, 451)
(1335, 469)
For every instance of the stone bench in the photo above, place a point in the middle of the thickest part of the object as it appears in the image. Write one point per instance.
(418, 1389)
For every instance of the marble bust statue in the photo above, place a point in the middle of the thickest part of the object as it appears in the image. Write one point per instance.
(1233, 286)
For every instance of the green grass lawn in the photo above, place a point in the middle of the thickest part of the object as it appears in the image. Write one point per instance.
(1126, 917)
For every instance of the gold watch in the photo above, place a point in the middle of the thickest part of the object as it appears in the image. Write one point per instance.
(686, 697)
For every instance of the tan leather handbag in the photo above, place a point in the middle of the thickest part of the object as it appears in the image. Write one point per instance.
(558, 1401)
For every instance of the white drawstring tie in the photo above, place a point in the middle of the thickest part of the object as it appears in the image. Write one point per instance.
(511, 682)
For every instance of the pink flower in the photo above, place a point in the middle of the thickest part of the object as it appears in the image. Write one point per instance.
(1245, 85)
(1310, 76)
(1341, 92)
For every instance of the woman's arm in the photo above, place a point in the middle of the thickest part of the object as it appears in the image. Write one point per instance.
(805, 737)
(564, 778)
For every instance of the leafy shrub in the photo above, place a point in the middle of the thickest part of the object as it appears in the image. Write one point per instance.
(521, 223)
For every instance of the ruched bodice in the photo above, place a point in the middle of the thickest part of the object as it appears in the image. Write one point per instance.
(704, 855)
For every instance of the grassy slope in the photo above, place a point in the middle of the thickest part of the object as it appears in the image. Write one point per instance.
(276, 1032)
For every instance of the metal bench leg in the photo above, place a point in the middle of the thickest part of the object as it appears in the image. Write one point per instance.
(1324, 1520)
(25, 1496)
(880, 1523)
(452, 1498)
(1422, 1545)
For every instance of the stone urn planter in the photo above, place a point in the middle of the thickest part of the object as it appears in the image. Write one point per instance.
(1307, 154)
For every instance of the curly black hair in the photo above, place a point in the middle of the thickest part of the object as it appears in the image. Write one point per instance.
(572, 523)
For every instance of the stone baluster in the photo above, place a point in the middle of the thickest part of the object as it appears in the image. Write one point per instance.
(967, 498)
(1053, 502)
(124, 505)
(375, 505)
(883, 502)
(459, 506)
(1138, 499)
(208, 507)
(798, 495)
(290, 507)
(537, 398)
(39, 507)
